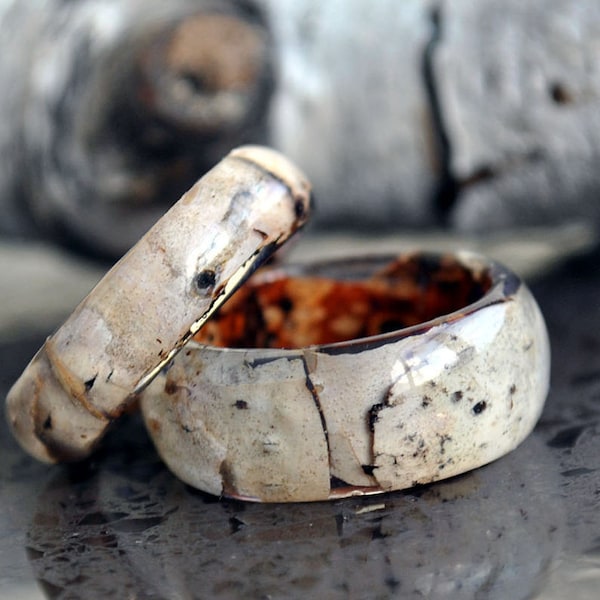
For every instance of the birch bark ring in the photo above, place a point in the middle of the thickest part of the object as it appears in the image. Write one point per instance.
(153, 300)
(335, 414)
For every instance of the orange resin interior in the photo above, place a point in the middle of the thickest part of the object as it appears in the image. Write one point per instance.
(276, 311)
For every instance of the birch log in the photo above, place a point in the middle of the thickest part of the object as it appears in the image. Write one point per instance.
(114, 108)
(519, 89)
(421, 113)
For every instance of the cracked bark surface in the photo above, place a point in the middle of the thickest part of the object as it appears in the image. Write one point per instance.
(270, 398)
(244, 414)
(472, 116)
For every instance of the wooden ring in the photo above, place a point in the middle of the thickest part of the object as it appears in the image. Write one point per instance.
(354, 377)
(154, 300)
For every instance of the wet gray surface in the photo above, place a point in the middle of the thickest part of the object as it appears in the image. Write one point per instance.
(527, 526)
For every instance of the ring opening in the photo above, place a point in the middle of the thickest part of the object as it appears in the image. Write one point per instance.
(275, 309)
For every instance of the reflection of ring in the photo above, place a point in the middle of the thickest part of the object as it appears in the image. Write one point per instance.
(480, 539)
(446, 369)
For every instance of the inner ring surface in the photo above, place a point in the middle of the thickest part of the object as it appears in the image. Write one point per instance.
(338, 302)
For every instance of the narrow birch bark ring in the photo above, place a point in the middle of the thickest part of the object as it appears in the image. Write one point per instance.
(153, 300)
(354, 377)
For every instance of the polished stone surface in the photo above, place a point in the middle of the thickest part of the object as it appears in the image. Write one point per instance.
(526, 526)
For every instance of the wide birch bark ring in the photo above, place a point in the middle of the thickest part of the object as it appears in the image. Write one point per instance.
(153, 300)
(354, 377)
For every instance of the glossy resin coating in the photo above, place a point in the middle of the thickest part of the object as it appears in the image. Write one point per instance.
(354, 378)
(153, 300)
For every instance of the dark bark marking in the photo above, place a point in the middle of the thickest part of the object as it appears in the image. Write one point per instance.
(447, 188)
(229, 486)
(171, 387)
(456, 396)
(205, 280)
(479, 407)
(560, 94)
(315, 396)
(368, 469)
(89, 384)
(373, 415)
(262, 234)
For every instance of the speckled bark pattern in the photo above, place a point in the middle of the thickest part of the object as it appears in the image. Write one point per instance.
(154, 299)
(464, 395)
(241, 427)
(366, 416)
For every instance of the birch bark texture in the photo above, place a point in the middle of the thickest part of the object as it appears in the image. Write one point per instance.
(154, 300)
(425, 113)
(361, 416)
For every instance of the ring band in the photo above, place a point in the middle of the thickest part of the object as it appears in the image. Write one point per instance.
(146, 308)
(354, 377)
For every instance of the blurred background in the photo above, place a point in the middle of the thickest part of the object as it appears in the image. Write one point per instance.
(461, 116)
(420, 123)
(423, 123)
